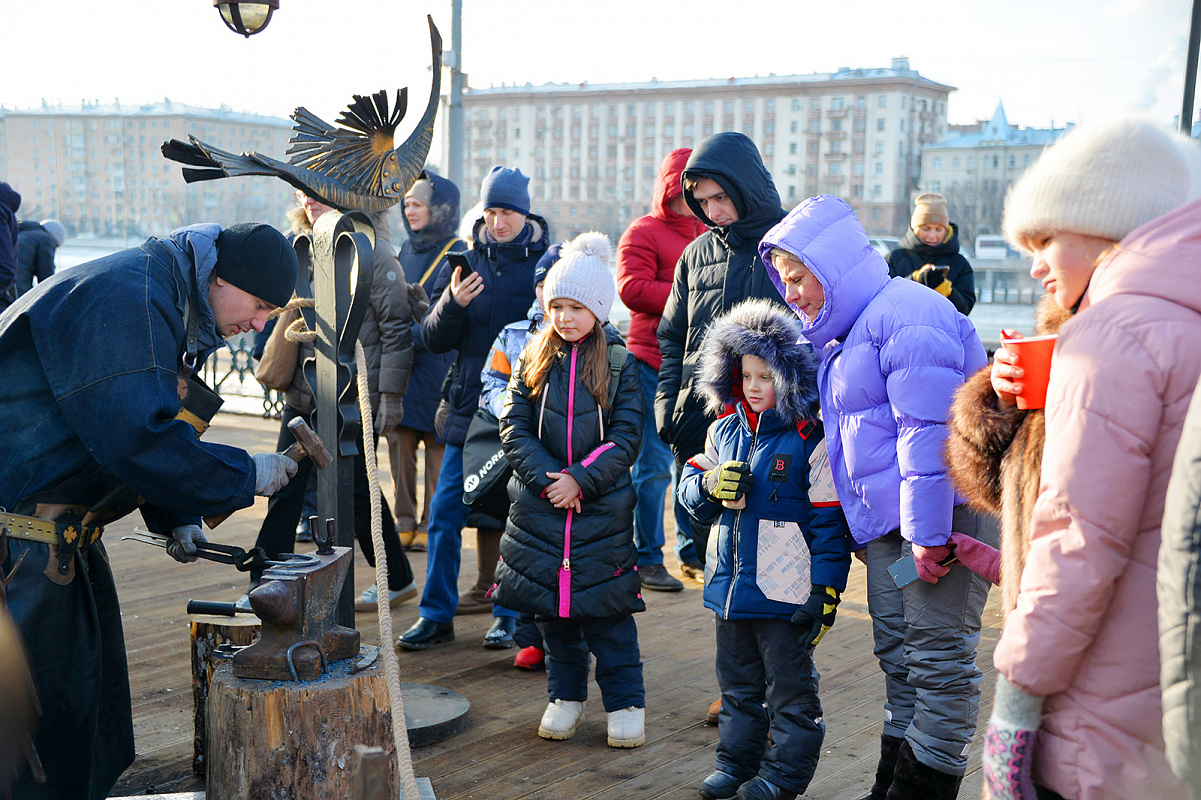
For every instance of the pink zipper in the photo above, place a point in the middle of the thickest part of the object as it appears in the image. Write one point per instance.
(595, 454)
(565, 567)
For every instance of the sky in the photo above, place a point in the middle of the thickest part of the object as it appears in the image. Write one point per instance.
(1049, 61)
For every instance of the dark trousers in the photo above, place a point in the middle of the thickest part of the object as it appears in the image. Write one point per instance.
(614, 642)
(278, 533)
(527, 633)
(763, 660)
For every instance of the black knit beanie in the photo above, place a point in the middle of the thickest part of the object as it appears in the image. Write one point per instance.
(257, 259)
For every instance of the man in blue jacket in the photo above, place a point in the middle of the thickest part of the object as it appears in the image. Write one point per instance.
(96, 363)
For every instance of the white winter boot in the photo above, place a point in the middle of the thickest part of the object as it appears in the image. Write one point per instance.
(561, 719)
(627, 727)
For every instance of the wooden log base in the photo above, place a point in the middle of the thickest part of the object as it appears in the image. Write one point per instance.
(209, 633)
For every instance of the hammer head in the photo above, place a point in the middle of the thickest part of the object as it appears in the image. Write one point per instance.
(311, 444)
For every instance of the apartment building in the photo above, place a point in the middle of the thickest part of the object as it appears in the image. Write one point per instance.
(97, 167)
(975, 166)
(592, 151)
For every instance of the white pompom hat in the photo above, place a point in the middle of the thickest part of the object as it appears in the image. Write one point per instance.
(582, 274)
(1103, 179)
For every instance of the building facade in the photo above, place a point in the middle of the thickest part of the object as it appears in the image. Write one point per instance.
(98, 169)
(975, 166)
(592, 151)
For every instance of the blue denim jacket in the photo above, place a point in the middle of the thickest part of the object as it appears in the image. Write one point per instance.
(89, 364)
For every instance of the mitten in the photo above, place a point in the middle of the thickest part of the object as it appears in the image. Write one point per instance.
(271, 472)
(182, 546)
(1009, 742)
(928, 561)
(816, 615)
(977, 556)
(727, 482)
(391, 412)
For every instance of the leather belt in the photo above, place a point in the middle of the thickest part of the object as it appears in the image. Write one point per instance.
(35, 529)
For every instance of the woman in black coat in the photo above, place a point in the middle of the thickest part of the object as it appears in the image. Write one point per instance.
(929, 254)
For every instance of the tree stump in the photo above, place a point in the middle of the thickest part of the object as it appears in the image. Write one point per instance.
(208, 633)
(283, 740)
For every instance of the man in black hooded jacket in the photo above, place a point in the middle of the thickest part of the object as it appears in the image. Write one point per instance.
(728, 188)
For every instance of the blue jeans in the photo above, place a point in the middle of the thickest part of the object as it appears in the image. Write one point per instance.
(651, 475)
(440, 596)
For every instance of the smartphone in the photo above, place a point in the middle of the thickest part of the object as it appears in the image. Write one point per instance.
(461, 261)
(904, 571)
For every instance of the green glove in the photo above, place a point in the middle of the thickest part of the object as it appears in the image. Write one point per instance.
(816, 615)
(729, 481)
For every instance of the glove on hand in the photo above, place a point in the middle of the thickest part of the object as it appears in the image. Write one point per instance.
(271, 472)
(391, 412)
(927, 560)
(182, 546)
(977, 556)
(1009, 743)
(816, 615)
(729, 481)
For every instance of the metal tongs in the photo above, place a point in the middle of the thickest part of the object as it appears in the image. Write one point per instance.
(242, 560)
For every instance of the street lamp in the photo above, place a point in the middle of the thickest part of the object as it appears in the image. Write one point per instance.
(246, 17)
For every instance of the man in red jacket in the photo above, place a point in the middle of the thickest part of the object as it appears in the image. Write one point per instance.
(646, 263)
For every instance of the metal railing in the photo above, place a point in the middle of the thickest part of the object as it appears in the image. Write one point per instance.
(229, 371)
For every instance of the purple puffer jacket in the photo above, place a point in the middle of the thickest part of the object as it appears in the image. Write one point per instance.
(892, 357)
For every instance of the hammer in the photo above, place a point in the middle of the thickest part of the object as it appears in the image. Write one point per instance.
(306, 444)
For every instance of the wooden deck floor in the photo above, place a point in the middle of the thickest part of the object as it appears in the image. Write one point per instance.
(500, 756)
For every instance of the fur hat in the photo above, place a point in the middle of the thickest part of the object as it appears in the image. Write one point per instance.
(929, 209)
(259, 260)
(506, 188)
(1102, 180)
(582, 274)
(773, 333)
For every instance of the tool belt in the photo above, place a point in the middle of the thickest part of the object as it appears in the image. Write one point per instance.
(63, 530)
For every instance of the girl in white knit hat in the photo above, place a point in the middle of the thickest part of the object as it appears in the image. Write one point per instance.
(571, 428)
(1078, 702)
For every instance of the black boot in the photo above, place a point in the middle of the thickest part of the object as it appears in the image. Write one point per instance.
(913, 780)
(889, 746)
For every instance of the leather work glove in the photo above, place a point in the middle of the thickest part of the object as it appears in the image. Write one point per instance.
(271, 472)
(182, 546)
(928, 561)
(391, 411)
(1009, 742)
(729, 481)
(934, 277)
(816, 615)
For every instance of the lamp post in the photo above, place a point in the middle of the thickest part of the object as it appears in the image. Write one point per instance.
(247, 17)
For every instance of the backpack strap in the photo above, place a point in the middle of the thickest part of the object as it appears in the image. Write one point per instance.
(437, 260)
(617, 360)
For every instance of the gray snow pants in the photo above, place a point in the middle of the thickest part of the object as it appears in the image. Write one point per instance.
(926, 638)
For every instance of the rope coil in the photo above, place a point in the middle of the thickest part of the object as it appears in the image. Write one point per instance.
(297, 331)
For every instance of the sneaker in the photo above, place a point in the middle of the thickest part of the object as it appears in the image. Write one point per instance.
(369, 599)
(530, 658)
(627, 727)
(419, 543)
(694, 570)
(406, 538)
(657, 578)
(560, 719)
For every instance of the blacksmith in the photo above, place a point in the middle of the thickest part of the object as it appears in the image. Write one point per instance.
(94, 364)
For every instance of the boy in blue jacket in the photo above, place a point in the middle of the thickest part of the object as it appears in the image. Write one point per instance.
(782, 548)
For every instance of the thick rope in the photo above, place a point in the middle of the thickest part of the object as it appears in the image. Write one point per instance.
(296, 332)
(400, 733)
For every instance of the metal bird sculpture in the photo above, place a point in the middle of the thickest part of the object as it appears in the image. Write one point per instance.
(349, 167)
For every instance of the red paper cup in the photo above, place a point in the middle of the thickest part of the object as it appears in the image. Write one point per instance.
(1034, 357)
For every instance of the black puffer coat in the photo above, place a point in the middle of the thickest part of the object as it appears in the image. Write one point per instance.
(720, 269)
(508, 273)
(913, 254)
(603, 559)
(417, 258)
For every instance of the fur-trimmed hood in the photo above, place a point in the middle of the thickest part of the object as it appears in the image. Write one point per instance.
(764, 329)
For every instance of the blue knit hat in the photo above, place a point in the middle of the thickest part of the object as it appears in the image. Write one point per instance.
(506, 188)
(548, 260)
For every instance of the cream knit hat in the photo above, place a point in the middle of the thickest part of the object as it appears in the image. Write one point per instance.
(929, 208)
(1104, 180)
(582, 274)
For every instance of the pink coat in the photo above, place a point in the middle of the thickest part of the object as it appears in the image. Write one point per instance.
(1084, 632)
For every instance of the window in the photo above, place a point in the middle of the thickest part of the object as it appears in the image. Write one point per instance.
(812, 169)
(1012, 162)
(517, 133)
(728, 107)
(594, 112)
(792, 169)
(860, 103)
(857, 191)
(879, 168)
(611, 151)
(937, 162)
(794, 126)
(835, 124)
(815, 126)
(936, 186)
(880, 124)
(769, 128)
(748, 107)
(769, 105)
(612, 130)
(955, 162)
(669, 110)
(791, 192)
(859, 147)
(709, 107)
(792, 149)
(811, 148)
(1026, 160)
(971, 162)
(835, 168)
(631, 110)
(612, 112)
(648, 171)
(575, 112)
(688, 109)
(857, 168)
(902, 125)
(877, 191)
(669, 129)
(815, 104)
(882, 101)
(837, 103)
(708, 129)
(796, 104)
(769, 149)
(688, 130)
(648, 110)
